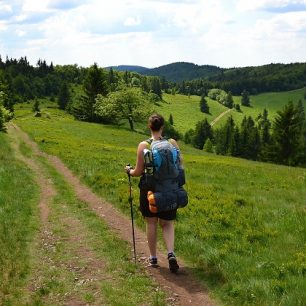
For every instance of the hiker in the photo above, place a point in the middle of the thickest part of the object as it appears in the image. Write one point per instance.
(165, 218)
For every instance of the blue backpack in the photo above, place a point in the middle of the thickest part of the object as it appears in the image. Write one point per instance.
(164, 176)
(166, 159)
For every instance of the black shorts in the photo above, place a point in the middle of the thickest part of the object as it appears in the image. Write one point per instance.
(144, 208)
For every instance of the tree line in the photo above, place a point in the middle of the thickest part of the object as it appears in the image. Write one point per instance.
(267, 78)
(282, 141)
(93, 94)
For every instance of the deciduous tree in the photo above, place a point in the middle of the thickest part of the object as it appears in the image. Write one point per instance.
(129, 103)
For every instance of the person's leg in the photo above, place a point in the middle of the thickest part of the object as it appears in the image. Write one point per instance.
(151, 228)
(168, 233)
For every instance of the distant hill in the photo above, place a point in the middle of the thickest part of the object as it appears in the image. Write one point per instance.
(131, 68)
(182, 71)
(175, 72)
(255, 79)
(265, 78)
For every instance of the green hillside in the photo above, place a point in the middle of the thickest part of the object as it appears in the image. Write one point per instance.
(186, 110)
(272, 101)
(243, 232)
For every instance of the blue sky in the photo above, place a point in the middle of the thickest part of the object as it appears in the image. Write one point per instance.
(225, 33)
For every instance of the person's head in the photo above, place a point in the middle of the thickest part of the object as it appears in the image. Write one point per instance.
(156, 122)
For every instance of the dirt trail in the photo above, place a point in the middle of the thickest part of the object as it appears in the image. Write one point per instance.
(182, 288)
(47, 239)
(219, 117)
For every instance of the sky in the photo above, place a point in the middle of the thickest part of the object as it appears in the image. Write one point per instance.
(152, 33)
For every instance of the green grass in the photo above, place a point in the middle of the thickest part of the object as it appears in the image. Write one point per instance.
(186, 110)
(18, 223)
(244, 230)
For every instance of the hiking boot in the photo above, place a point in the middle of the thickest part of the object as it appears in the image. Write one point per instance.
(173, 266)
(153, 262)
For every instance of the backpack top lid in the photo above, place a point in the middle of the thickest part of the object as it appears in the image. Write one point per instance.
(165, 159)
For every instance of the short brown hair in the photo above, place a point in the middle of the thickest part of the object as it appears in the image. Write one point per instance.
(156, 122)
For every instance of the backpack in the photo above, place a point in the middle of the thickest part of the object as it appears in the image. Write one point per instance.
(166, 159)
(163, 177)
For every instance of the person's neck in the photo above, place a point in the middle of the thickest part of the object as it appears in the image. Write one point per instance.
(156, 135)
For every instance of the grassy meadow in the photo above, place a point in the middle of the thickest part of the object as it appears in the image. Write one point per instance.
(18, 223)
(244, 231)
(186, 110)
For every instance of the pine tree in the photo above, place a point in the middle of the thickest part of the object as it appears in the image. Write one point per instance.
(189, 135)
(229, 141)
(126, 77)
(2, 126)
(286, 136)
(144, 84)
(156, 86)
(94, 84)
(249, 139)
(234, 145)
(229, 102)
(112, 80)
(63, 96)
(35, 107)
(208, 146)
(245, 99)
(171, 119)
(203, 105)
(264, 127)
(301, 158)
(202, 132)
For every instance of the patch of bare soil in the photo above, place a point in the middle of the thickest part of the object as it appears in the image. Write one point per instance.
(182, 288)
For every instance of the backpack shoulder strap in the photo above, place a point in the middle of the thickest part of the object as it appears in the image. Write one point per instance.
(149, 142)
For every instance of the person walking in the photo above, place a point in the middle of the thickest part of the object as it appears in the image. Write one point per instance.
(166, 218)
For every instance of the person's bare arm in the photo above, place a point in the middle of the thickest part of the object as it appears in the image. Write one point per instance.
(139, 168)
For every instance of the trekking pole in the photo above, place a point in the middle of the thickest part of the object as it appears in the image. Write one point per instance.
(132, 216)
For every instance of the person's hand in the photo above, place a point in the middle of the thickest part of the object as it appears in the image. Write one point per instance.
(128, 169)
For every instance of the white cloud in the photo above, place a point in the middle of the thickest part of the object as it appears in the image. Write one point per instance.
(281, 27)
(20, 33)
(152, 33)
(5, 7)
(3, 26)
(35, 6)
(132, 21)
(250, 5)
